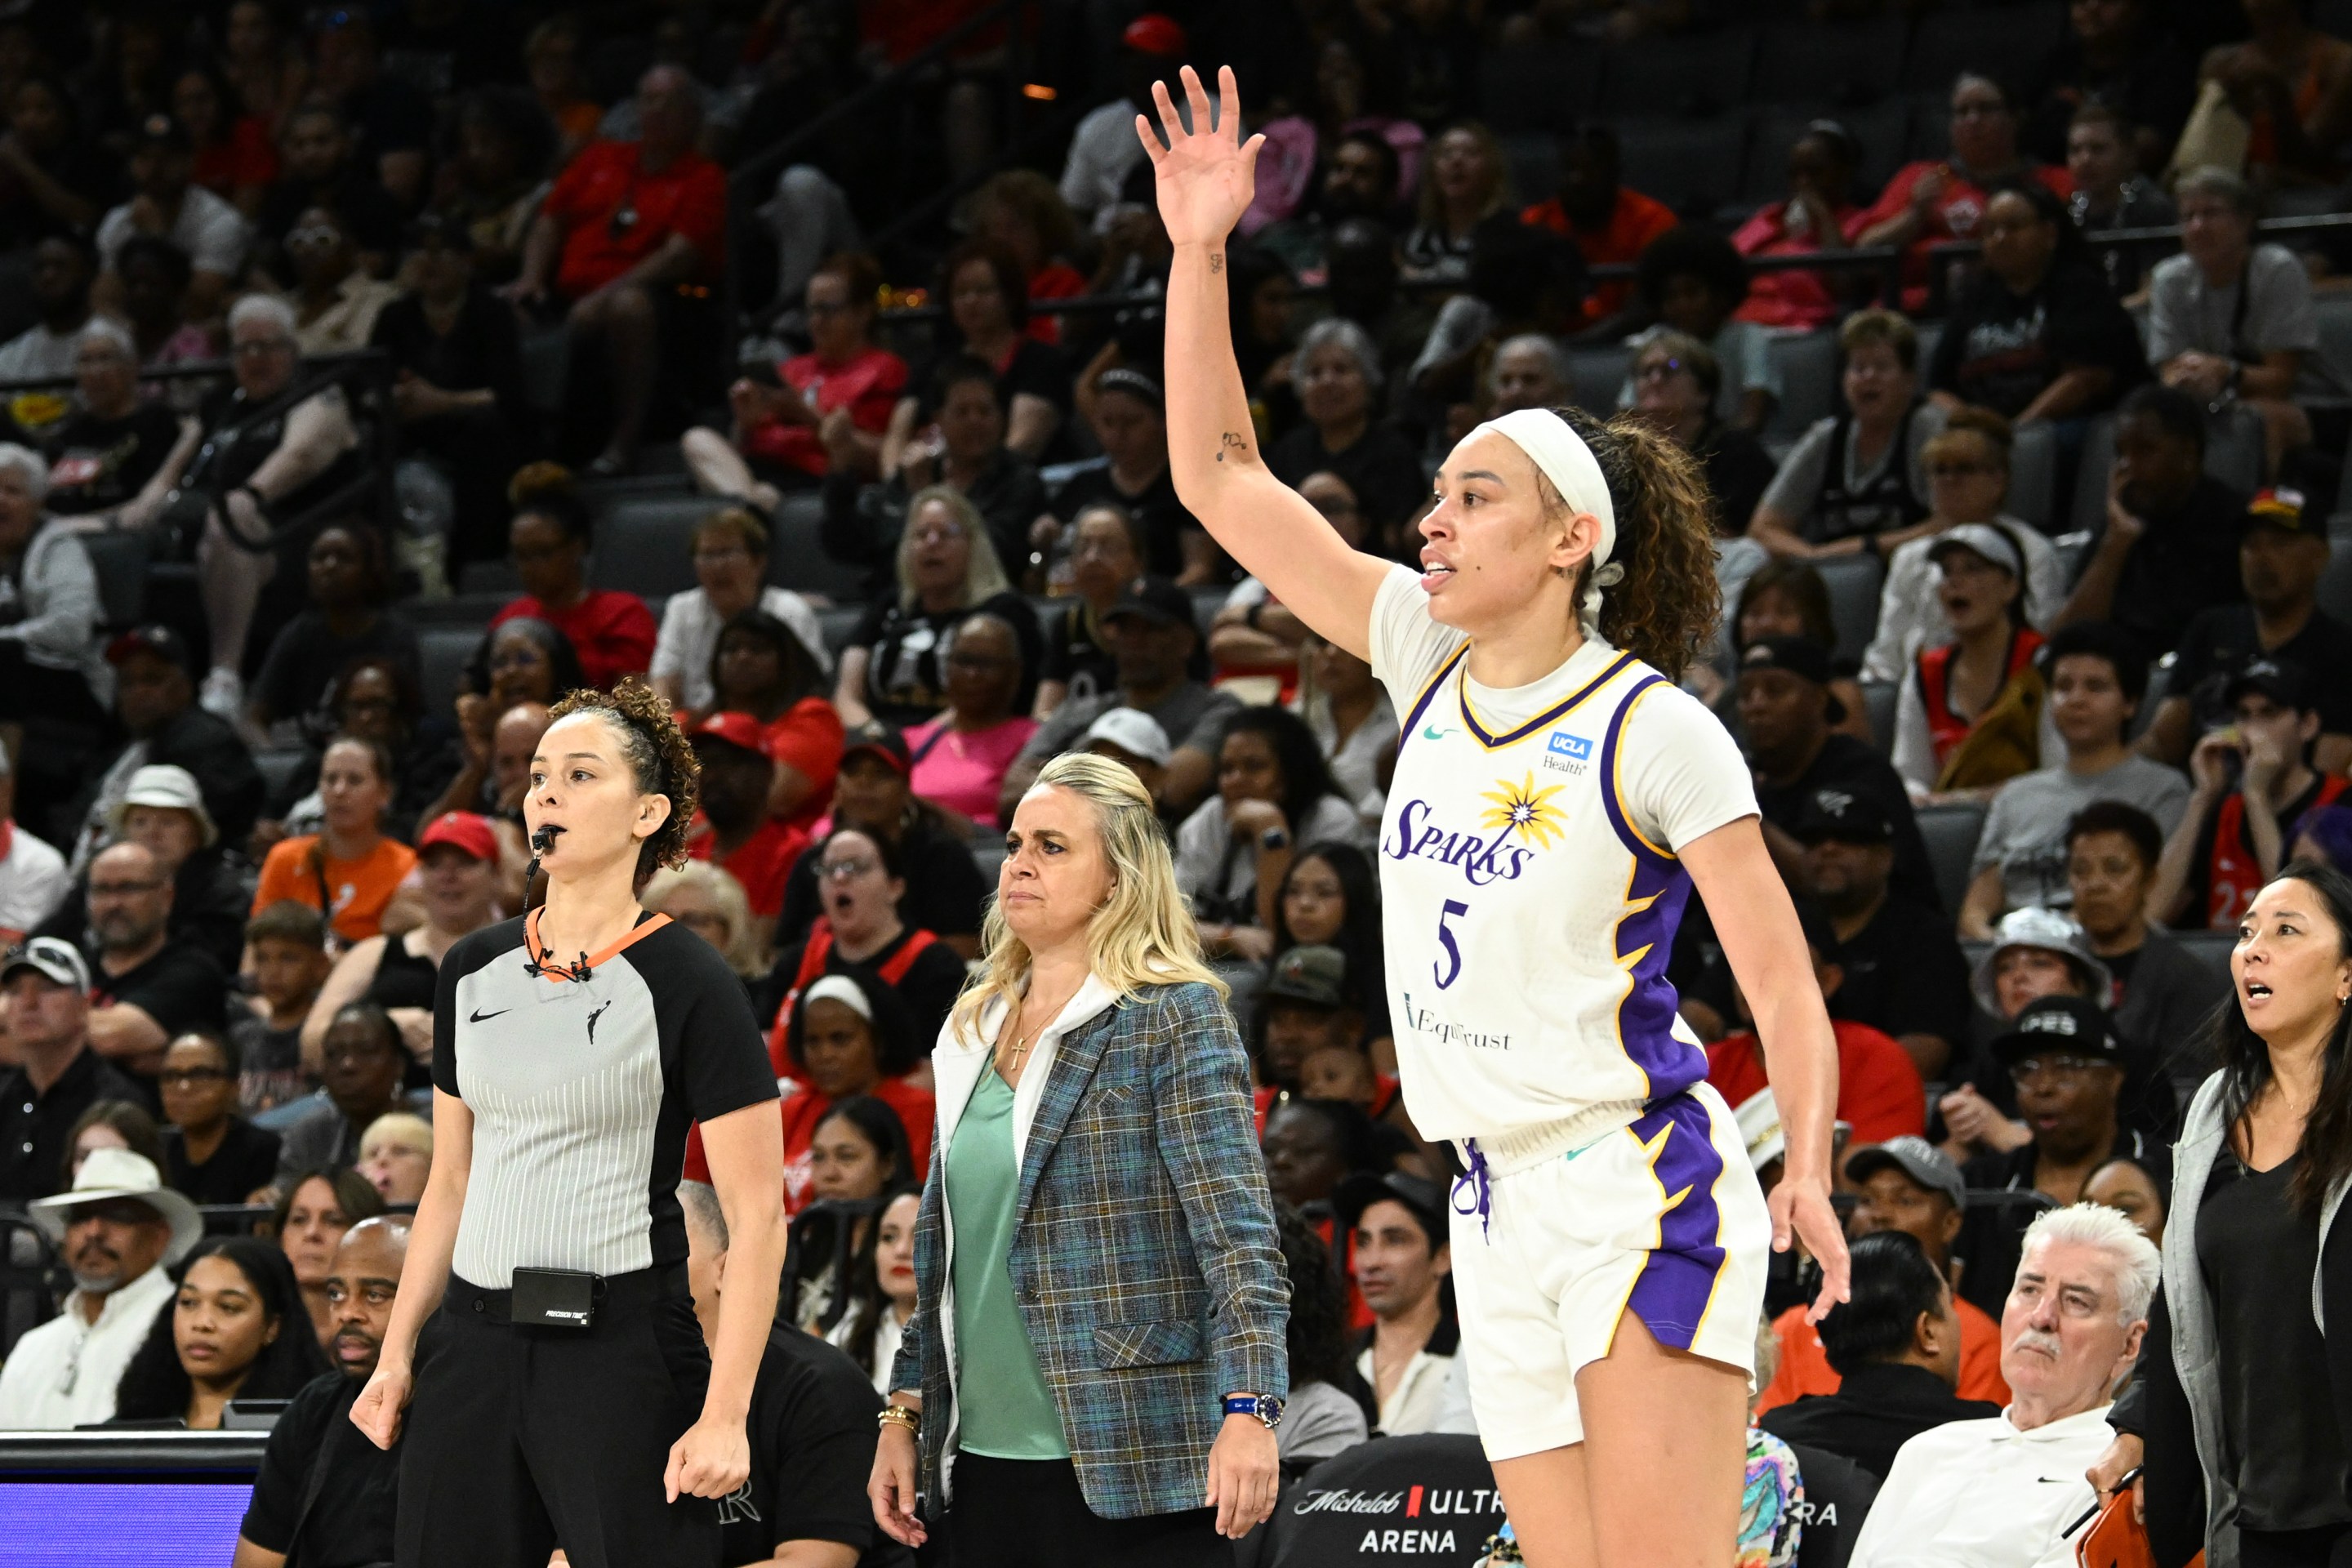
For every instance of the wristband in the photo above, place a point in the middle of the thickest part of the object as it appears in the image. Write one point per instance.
(901, 1415)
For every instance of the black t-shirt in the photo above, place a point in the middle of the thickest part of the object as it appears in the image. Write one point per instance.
(34, 1126)
(929, 987)
(1158, 515)
(482, 350)
(99, 463)
(1076, 656)
(306, 659)
(1905, 974)
(944, 887)
(908, 646)
(2185, 561)
(351, 1522)
(1846, 763)
(246, 1158)
(2000, 350)
(2222, 641)
(811, 1432)
(181, 988)
(1380, 468)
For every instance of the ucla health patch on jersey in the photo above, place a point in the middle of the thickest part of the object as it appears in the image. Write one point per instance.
(1577, 748)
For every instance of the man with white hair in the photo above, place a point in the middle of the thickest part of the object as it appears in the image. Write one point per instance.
(2001, 1492)
(116, 457)
(271, 468)
(117, 1230)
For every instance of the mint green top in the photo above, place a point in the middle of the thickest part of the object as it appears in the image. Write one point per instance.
(1004, 1409)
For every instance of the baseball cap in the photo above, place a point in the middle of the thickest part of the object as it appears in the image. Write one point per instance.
(737, 729)
(462, 830)
(1357, 1193)
(1800, 657)
(1311, 974)
(1841, 816)
(1916, 1158)
(1759, 1128)
(2046, 928)
(2283, 680)
(2067, 1026)
(1157, 599)
(1154, 33)
(879, 740)
(1132, 730)
(173, 788)
(154, 637)
(52, 956)
(109, 1173)
(162, 130)
(1979, 539)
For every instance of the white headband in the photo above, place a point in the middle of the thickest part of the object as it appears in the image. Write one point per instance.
(839, 988)
(1561, 453)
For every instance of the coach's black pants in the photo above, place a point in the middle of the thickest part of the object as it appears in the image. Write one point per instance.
(1029, 1513)
(519, 1440)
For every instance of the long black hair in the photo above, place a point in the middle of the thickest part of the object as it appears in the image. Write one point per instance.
(155, 1386)
(1359, 935)
(1306, 776)
(2325, 1154)
(1317, 1330)
(822, 1232)
(865, 1293)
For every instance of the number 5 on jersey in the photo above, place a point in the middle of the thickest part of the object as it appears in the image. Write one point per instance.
(1449, 969)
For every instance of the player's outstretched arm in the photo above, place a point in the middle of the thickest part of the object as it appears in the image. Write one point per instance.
(1206, 176)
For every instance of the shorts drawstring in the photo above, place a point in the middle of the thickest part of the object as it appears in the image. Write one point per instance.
(1482, 1190)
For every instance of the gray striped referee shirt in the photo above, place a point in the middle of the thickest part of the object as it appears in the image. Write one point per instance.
(583, 1087)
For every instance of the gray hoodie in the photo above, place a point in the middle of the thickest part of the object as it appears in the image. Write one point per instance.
(59, 614)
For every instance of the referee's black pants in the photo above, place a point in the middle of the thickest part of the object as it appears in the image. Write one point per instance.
(519, 1440)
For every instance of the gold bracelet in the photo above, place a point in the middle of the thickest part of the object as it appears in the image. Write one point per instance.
(901, 1415)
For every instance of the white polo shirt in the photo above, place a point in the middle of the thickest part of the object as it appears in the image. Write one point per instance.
(1982, 1494)
(63, 1374)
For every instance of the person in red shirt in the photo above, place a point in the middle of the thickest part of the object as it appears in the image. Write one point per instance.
(1938, 199)
(1880, 1095)
(1817, 215)
(755, 848)
(612, 631)
(625, 223)
(761, 670)
(1022, 210)
(1609, 222)
(1907, 1184)
(784, 423)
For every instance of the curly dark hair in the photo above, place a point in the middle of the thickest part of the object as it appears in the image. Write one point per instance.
(661, 758)
(1306, 776)
(1318, 1331)
(1663, 610)
(155, 1386)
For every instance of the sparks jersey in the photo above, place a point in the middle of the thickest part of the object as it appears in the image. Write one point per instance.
(1530, 886)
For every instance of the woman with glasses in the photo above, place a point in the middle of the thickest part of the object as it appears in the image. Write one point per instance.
(789, 417)
(730, 576)
(610, 631)
(1105, 555)
(1252, 633)
(961, 756)
(1337, 370)
(1677, 384)
(210, 1153)
(861, 877)
(1857, 480)
(894, 668)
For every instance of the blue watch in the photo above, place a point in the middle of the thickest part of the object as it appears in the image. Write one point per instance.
(1264, 1407)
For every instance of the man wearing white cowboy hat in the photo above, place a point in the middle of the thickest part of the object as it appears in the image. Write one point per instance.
(164, 810)
(118, 1231)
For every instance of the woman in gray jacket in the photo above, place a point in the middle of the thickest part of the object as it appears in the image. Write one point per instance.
(49, 662)
(2240, 1391)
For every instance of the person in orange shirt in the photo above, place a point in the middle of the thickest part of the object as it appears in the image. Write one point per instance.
(1907, 1184)
(349, 870)
(1609, 222)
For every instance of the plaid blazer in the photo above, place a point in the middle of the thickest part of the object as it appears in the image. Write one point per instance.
(1144, 1255)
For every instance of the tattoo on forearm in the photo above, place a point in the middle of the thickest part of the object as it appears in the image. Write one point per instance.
(1216, 261)
(1232, 442)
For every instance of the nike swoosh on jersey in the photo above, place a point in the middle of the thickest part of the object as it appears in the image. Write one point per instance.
(481, 1017)
(1432, 733)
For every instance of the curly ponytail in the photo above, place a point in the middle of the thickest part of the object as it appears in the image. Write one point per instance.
(1665, 608)
(661, 760)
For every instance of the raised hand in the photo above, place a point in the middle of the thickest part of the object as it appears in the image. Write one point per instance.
(1206, 175)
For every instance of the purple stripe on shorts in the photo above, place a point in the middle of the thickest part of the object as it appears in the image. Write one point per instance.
(1646, 1019)
(1671, 1294)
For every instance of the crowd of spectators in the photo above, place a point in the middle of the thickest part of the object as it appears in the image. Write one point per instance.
(2031, 640)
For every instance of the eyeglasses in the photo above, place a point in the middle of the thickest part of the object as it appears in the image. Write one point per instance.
(1657, 369)
(2066, 1069)
(845, 870)
(315, 237)
(121, 889)
(190, 1078)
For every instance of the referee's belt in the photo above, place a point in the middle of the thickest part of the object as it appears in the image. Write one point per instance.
(619, 1293)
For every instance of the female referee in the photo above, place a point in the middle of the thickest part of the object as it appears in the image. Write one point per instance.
(562, 1394)
(1556, 799)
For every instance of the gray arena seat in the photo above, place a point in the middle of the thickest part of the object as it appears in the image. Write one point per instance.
(1880, 698)
(838, 622)
(1995, 40)
(1854, 581)
(1951, 834)
(277, 767)
(1692, 75)
(2210, 948)
(1595, 374)
(2160, 683)
(2089, 509)
(644, 544)
(120, 560)
(798, 562)
(1540, 87)
(2335, 585)
(1698, 161)
(1808, 367)
(2034, 475)
(1845, 62)
(1534, 161)
(442, 655)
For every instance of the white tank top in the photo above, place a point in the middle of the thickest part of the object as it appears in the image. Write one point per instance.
(1528, 881)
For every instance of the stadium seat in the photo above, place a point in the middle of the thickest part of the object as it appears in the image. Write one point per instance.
(120, 559)
(1595, 375)
(1698, 161)
(1845, 63)
(1543, 87)
(797, 562)
(988, 854)
(443, 653)
(2335, 313)
(1880, 698)
(2159, 682)
(1997, 41)
(2233, 447)
(489, 577)
(2210, 948)
(2090, 504)
(546, 366)
(2034, 475)
(644, 544)
(1534, 162)
(1854, 581)
(1809, 367)
(278, 765)
(2335, 594)
(1927, 132)
(1685, 76)
(1951, 835)
(839, 621)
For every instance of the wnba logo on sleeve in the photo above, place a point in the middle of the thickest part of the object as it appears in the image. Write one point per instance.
(1481, 860)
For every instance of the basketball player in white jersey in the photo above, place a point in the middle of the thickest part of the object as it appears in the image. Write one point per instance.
(1556, 800)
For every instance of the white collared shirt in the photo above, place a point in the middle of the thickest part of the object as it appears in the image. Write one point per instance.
(1429, 1397)
(62, 1374)
(1982, 1494)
